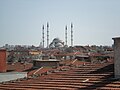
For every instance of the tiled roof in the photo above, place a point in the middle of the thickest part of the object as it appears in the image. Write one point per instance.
(83, 77)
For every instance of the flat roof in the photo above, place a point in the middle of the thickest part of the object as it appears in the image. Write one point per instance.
(116, 38)
(9, 73)
(46, 60)
(82, 55)
(2, 49)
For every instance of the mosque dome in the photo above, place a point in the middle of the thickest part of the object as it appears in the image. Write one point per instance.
(56, 43)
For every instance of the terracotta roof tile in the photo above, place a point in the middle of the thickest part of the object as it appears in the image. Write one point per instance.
(85, 77)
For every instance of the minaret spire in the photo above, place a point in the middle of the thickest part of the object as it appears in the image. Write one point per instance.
(71, 34)
(66, 35)
(47, 35)
(43, 35)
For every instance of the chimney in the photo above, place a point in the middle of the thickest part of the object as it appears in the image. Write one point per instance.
(3, 65)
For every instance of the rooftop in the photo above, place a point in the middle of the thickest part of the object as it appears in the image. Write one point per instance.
(116, 38)
(46, 60)
(73, 76)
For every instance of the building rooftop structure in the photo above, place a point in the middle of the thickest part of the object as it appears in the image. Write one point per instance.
(46, 60)
(116, 38)
(78, 76)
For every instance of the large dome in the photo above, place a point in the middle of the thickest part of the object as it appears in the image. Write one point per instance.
(56, 43)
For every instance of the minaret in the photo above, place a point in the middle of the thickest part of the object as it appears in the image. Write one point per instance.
(43, 35)
(47, 35)
(71, 34)
(66, 35)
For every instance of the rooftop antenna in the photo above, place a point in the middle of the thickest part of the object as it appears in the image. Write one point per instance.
(66, 34)
(47, 35)
(43, 35)
(71, 34)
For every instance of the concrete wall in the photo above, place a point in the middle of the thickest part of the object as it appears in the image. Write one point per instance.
(3, 64)
(117, 57)
(12, 76)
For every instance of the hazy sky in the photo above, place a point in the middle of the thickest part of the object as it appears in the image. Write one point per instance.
(95, 22)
